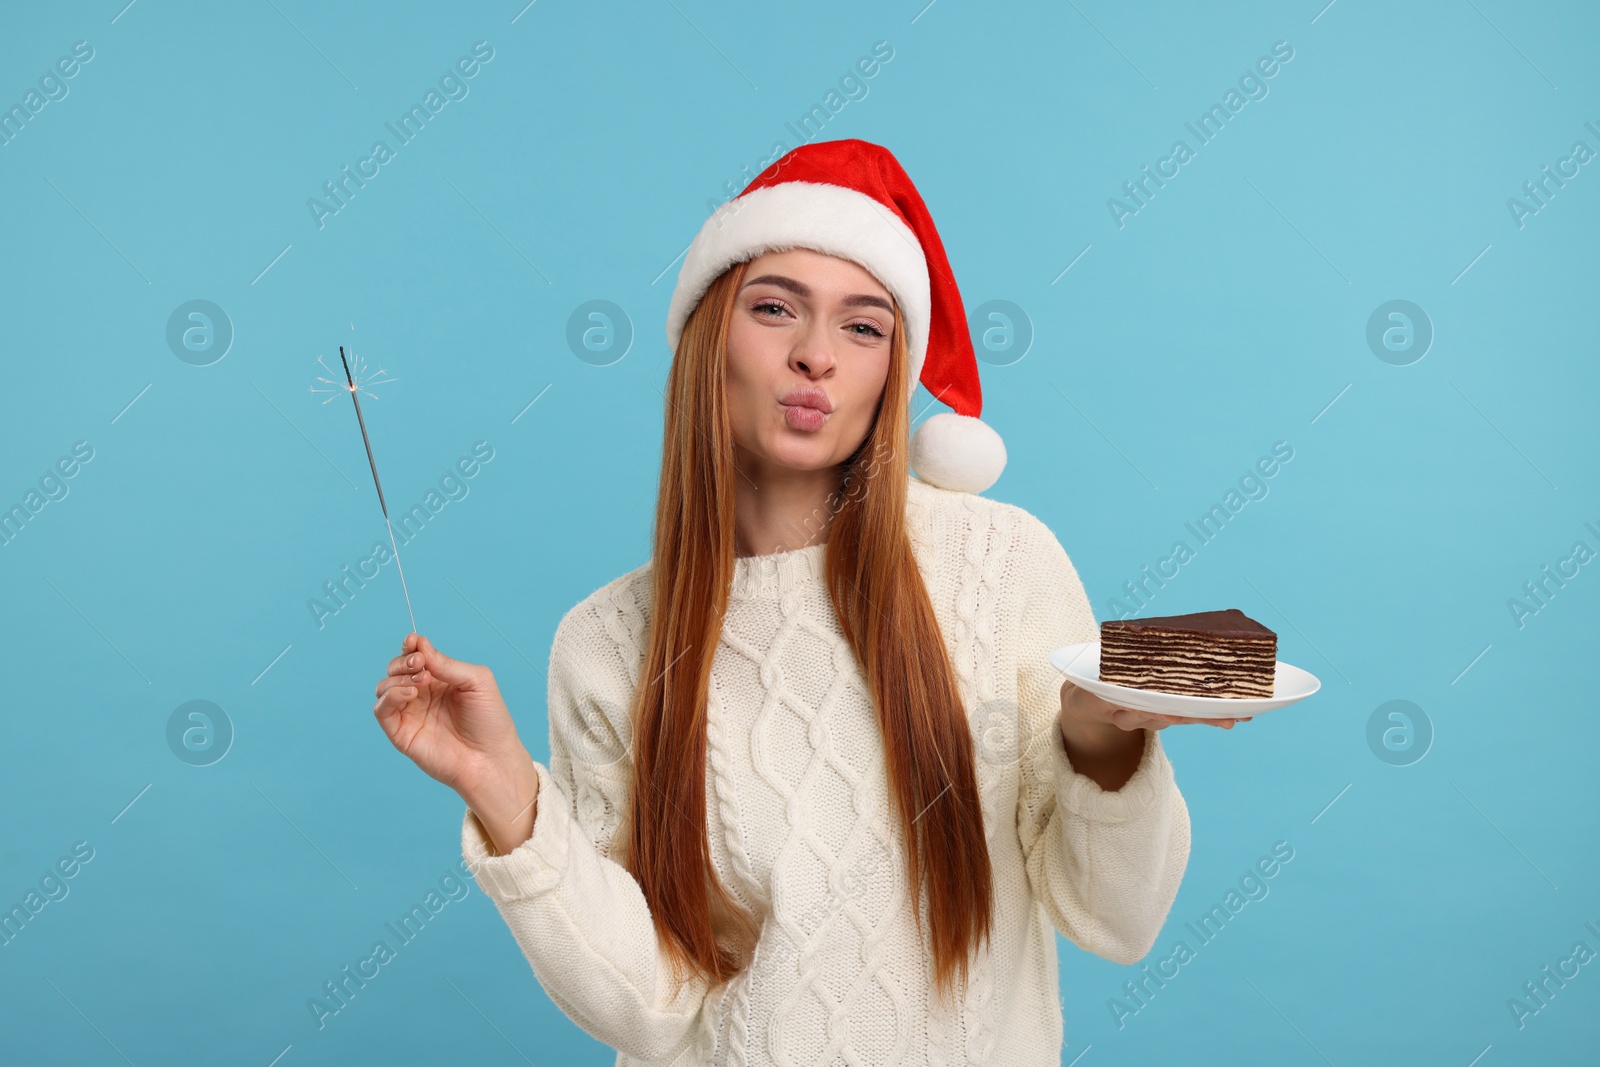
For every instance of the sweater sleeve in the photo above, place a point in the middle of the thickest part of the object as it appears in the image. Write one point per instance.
(1105, 864)
(579, 917)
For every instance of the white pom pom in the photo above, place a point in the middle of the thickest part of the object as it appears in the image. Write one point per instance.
(957, 452)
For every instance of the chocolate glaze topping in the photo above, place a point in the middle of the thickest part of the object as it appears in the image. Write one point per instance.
(1230, 622)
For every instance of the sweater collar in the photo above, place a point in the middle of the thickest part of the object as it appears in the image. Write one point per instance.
(776, 572)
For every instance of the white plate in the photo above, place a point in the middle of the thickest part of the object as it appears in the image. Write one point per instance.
(1081, 664)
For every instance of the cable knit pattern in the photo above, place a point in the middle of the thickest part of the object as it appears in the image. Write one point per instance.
(803, 829)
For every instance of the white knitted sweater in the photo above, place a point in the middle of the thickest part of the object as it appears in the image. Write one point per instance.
(802, 827)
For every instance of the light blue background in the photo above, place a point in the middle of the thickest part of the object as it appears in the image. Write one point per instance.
(1228, 314)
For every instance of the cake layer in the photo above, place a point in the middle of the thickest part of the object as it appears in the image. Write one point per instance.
(1199, 682)
(1246, 658)
(1246, 649)
(1229, 667)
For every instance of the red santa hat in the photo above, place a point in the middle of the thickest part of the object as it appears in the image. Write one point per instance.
(852, 199)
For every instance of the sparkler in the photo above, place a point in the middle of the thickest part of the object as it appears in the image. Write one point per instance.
(356, 399)
(364, 376)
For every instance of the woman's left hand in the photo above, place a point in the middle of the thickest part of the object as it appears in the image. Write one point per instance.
(1102, 738)
(1079, 706)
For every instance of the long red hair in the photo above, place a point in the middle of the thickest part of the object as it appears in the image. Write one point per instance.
(885, 613)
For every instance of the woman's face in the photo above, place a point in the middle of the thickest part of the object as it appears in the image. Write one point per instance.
(806, 323)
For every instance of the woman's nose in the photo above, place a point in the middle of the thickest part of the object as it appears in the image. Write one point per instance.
(813, 353)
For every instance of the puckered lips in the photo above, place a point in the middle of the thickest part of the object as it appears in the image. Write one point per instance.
(806, 407)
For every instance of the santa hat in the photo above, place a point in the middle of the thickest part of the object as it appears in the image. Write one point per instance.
(852, 199)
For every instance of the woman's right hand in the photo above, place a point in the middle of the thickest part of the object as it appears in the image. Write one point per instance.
(448, 717)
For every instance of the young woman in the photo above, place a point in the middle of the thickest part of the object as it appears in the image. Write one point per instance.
(815, 793)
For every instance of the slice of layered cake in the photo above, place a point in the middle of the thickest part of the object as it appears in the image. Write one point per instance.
(1207, 653)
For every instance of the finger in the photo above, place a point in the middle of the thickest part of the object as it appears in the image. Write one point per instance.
(405, 685)
(397, 680)
(409, 666)
(393, 699)
(447, 670)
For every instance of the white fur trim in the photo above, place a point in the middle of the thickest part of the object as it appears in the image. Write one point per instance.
(957, 452)
(827, 218)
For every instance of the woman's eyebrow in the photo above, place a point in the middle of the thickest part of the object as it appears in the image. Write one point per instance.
(804, 292)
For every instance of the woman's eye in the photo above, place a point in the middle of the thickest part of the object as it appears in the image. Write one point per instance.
(773, 309)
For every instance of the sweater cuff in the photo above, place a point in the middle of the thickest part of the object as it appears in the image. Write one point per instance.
(1083, 796)
(533, 867)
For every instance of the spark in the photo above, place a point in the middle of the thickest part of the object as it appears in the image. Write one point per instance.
(365, 378)
(362, 377)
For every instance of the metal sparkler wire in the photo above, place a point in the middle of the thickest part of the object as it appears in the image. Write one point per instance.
(379, 485)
